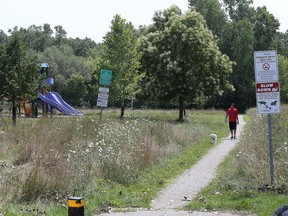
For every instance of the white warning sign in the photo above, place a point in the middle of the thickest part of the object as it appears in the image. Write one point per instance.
(266, 66)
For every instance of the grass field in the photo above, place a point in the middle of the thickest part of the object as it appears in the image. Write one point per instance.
(124, 163)
(114, 162)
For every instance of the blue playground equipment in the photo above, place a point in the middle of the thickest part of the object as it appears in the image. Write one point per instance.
(52, 100)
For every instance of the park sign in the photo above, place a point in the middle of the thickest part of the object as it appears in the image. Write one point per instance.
(267, 92)
(266, 66)
(267, 86)
(268, 97)
(105, 77)
(102, 100)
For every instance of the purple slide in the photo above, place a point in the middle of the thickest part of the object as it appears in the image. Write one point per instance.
(56, 101)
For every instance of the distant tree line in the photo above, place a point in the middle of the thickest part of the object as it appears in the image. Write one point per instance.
(202, 58)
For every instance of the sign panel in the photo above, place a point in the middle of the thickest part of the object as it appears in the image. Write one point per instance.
(105, 77)
(266, 66)
(102, 102)
(268, 97)
(103, 94)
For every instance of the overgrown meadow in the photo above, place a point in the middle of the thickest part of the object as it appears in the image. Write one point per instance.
(111, 163)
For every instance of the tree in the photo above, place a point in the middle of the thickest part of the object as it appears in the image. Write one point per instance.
(60, 34)
(18, 72)
(239, 9)
(239, 46)
(181, 58)
(266, 26)
(74, 90)
(123, 58)
(215, 17)
(283, 77)
(62, 63)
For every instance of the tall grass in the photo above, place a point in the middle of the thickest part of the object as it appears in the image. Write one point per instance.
(48, 159)
(243, 181)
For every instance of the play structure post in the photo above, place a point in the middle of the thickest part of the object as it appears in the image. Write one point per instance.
(44, 69)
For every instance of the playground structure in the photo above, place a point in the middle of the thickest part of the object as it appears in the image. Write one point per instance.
(51, 101)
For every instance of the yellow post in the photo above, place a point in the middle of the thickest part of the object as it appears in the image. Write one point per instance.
(75, 206)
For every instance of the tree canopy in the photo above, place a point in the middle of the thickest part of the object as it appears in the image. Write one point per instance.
(18, 72)
(181, 58)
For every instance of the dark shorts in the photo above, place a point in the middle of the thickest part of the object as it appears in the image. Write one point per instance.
(232, 125)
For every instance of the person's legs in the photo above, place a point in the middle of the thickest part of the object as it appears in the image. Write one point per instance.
(234, 134)
(232, 126)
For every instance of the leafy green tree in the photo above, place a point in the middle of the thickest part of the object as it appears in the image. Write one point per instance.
(181, 58)
(283, 77)
(215, 17)
(281, 43)
(35, 37)
(82, 47)
(94, 60)
(74, 90)
(266, 26)
(239, 46)
(239, 9)
(123, 58)
(3, 37)
(62, 63)
(18, 72)
(60, 35)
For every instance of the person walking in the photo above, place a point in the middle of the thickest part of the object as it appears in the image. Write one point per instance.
(232, 114)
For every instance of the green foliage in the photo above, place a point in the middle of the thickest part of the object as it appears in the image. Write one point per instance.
(266, 26)
(239, 46)
(74, 90)
(283, 77)
(18, 71)
(63, 63)
(215, 17)
(123, 58)
(181, 58)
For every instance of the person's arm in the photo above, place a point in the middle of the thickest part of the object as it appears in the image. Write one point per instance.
(226, 118)
(237, 120)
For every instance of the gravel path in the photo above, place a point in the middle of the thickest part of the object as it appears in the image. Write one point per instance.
(171, 199)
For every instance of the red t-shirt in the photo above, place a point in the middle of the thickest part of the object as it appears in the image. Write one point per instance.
(232, 113)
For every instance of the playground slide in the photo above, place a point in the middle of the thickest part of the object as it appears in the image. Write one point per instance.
(56, 101)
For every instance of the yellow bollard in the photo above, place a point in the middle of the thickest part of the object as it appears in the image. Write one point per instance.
(75, 206)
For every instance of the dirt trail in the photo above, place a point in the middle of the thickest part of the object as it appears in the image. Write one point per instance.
(171, 199)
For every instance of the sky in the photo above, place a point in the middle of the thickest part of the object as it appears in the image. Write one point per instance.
(92, 18)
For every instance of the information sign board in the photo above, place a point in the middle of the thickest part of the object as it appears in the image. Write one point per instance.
(266, 66)
(105, 77)
(103, 94)
(268, 97)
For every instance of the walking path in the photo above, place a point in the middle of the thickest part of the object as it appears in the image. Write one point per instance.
(171, 199)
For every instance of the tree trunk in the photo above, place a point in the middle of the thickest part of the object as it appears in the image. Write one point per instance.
(14, 111)
(181, 108)
(122, 110)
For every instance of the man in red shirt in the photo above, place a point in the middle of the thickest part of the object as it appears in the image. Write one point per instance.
(232, 113)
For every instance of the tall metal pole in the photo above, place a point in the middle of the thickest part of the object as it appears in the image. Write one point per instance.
(270, 149)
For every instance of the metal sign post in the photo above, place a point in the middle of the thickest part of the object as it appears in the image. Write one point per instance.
(271, 150)
(267, 92)
(102, 100)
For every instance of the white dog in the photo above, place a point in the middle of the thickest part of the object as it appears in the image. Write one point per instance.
(213, 139)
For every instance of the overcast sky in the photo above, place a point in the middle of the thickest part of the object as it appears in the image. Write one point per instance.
(92, 18)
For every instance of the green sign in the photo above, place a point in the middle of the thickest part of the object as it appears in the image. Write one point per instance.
(105, 77)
